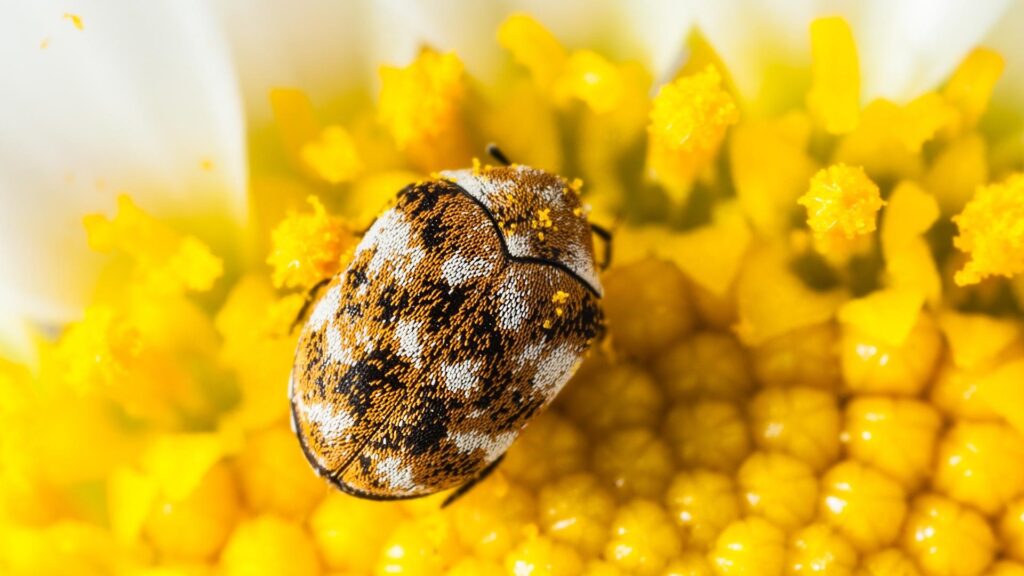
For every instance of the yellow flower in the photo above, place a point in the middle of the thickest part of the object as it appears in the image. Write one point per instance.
(814, 305)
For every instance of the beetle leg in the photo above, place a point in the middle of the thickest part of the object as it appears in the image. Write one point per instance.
(497, 154)
(310, 296)
(461, 490)
(606, 236)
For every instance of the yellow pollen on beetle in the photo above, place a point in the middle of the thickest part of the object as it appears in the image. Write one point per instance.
(75, 20)
(476, 166)
(842, 203)
(992, 232)
(560, 297)
(693, 113)
(544, 217)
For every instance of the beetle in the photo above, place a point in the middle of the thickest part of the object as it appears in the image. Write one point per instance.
(464, 309)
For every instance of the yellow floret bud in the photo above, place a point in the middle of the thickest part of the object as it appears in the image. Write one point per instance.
(896, 436)
(834, 98)
(576, 510)
(888, 562)
(269, 545)
(422, 546)
(1011, 530)
(549, 447)
(339, 528)
(750, 546)
(601, 568)
(195, 528)
(542, 556)
(647, 305)
(708, 433)
(992, 231)
(842, 204)
(490, 519)
(534, 47)
(689, 564)
(871, 365)
(606, 395)
(692, 114)
(800, 421)
(818, 549)
(981, 464)
(1002, 392)
(308, 247)
(419, 102)
(804, 357)
(707, 364)
(470, 566)
(1006, 568)
(957, 393)
(275, 475)
(636, 461)
(643, 538)
(947, 539)
(970, 86)
(332, 156)
(865, 505)
(779, 488)
(702, 504)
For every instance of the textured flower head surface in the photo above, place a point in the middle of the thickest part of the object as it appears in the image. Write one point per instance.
(815, 349)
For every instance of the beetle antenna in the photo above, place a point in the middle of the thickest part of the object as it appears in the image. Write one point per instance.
(497, 154)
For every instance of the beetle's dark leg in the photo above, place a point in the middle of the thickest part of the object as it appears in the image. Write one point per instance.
(461, 490)
(606, 236)
(497, 154)
(310, 296)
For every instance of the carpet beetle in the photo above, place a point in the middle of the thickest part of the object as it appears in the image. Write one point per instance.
(464, 310)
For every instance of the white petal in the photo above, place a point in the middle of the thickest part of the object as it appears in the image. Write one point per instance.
(134, 102)
(751, 36)
(911, 46)
(320, 46)
(905, 47)
(1007, 37)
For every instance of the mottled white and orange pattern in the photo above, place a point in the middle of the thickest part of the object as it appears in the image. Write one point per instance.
(464, 310)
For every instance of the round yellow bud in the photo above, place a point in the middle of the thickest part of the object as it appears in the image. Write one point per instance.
(643, 538)
(707, 364)
(339, 528)
(865, 505)
(276, 476)
(647, 307)
(779, 488)
(750, 546)
(801, 421)
(708, 433)
(981, 464)
(703, 503)
(269, 545)
(196, 527)
(818, 549)
(947, 539)
(576, 510)
(894, 435)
